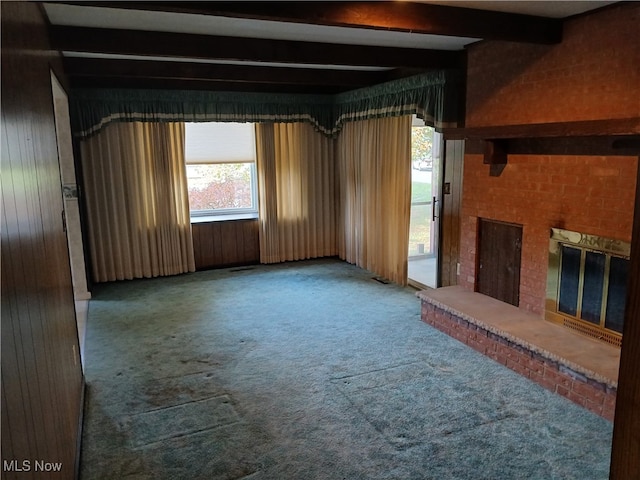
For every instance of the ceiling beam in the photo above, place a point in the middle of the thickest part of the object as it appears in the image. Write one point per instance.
(111, 68)
(411, 17)
(197, 84)
(162, 44)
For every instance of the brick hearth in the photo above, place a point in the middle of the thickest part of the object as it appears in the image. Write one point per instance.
(578, 368)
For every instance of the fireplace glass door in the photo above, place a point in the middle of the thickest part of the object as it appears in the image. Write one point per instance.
(586, 286)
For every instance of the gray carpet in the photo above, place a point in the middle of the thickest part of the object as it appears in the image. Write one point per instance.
(309, 370)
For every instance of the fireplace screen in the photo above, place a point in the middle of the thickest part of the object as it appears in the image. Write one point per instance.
(586, 283)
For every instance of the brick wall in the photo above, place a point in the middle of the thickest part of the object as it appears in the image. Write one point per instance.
(593, 195)
(592, 75)
(550, 374)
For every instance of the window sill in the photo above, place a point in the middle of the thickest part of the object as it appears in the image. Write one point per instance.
(224, 218)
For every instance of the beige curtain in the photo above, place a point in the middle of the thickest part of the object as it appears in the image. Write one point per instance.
(297, 193)
(374, 182)
(137, 201)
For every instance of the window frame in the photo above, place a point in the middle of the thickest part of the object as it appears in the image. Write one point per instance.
(227, 213)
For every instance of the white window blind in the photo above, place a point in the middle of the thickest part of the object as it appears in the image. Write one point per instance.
(220, 143)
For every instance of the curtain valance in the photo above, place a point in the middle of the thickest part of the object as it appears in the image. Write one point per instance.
(432, 96)
(92, 109)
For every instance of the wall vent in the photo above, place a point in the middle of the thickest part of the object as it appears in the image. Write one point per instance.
(593, 332)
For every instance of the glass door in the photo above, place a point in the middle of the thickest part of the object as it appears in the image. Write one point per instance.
(426, 145)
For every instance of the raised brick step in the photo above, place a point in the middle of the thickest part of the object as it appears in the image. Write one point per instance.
(528, 345)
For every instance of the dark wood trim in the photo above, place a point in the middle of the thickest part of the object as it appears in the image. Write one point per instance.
(117, 73)
(111, 68)
(83, 395)
(609, 145)
(614, 137)
(608, 127)
(449, 248)
(627, 143)
(163, 44)
(396, 16)
(495, 152)
(625, 453)
(210, 85)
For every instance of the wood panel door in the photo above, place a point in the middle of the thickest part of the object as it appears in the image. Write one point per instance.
(499, 256)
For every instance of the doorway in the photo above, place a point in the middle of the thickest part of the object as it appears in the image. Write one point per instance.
(426, 145)
(71, 207)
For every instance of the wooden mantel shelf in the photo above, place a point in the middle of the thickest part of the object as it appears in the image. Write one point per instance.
(613, 137)
(585, 128)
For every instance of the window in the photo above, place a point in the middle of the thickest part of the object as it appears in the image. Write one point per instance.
(221, 168)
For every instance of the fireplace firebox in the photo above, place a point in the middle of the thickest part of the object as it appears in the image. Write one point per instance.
(587, 283)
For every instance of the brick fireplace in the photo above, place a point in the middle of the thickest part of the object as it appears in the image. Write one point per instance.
(541, 126)
(587, 77)
(589, 194)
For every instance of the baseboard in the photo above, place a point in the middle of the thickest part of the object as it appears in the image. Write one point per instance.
(82, 295)
(76, 467)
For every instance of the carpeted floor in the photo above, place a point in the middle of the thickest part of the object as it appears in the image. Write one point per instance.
(309, 370)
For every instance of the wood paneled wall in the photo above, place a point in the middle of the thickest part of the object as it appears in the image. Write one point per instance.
(227, 243)
(42, 380)
(625, 455)
(450, 225)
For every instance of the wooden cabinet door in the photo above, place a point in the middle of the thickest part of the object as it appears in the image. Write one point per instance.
(499, 254)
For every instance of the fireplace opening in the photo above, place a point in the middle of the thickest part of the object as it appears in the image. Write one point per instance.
(586, 283)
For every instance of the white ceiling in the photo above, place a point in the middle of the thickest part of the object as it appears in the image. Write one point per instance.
(541, 8)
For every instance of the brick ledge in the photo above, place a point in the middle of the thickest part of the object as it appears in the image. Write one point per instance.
(471, 318)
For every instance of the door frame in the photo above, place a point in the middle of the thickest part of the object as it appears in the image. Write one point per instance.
(437, 182)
